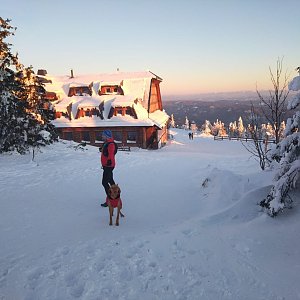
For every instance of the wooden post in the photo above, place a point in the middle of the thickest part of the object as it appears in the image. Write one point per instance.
(266, 143)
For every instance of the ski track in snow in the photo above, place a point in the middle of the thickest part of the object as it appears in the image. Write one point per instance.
(180, 239)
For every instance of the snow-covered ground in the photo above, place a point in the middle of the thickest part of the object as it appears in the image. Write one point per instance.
(192, 229)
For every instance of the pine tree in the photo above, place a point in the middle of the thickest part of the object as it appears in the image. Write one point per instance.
(282, 130)
(288, 152)
(233, 129)
(206, 128)
(270, 131)
(25, 121)
(218, 129)
(222, 129)
(42, 132)
(12, 109)
(215, 128)
(240, 127)
(172, 122)
(187, 123)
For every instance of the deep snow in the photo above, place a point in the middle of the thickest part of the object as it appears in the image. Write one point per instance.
(192, 228)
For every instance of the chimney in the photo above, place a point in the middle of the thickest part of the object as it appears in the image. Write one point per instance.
(42, 72)
(72, 74)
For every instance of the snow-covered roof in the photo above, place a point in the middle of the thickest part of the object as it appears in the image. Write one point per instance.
(123, 101)
(78, 84)
(62, 105)
(88, 102)
(136, 88)
(110, 83)
(159, 118)
(117, 121)
(133, 83)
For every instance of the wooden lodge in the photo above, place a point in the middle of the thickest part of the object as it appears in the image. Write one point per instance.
(129, 104)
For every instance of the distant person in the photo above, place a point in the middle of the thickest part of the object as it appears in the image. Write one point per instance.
(108, 161)
(190, 135)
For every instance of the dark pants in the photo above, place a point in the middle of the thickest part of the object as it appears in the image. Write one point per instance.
(108, 178)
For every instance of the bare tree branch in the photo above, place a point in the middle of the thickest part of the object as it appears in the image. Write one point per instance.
(256, 146)
(274, 107)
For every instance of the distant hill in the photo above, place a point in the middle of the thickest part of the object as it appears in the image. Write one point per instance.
(198, 111)
(227, 107)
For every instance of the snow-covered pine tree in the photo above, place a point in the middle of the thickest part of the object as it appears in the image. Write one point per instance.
(270, 131)
(172, 121)
(222, 129)
(240, 127)
(12, 110)
(263, 131)
(233, 129)
(206, 128)
(215, 128)
(282, 130)
(218, 128)
(24, 120)
(193, 126)
(40, 110)
(187, 123)
(288, 152)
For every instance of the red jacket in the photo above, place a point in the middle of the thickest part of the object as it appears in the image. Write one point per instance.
(110, 149)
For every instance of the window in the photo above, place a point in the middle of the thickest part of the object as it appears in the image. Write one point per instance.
(95, 112)
(131, 137)
(79, 91)
(110, 89)
(69, 136)
(117, 136)
(86, 136)
(65, 115)
(58, 114)
(129, 111)
(98, 137)
(51, 96)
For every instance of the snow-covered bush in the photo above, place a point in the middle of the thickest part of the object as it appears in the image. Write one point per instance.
(287, 152)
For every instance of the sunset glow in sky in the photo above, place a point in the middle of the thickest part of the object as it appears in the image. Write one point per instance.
(196, 46)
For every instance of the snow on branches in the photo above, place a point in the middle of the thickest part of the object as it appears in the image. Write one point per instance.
(24, 118)
(288, 152)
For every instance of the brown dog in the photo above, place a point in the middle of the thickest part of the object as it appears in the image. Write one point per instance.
(114, 201)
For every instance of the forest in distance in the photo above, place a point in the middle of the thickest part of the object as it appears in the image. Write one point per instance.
(198, 111)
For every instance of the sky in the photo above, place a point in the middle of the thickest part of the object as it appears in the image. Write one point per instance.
(196, 46)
